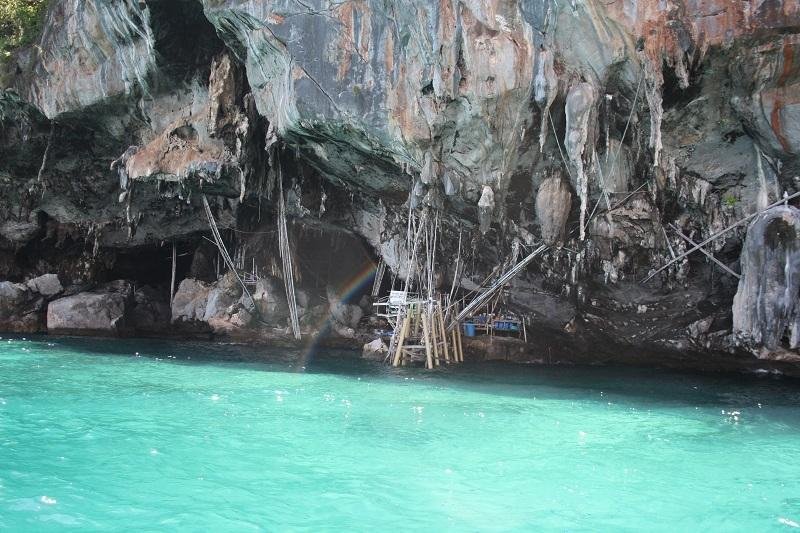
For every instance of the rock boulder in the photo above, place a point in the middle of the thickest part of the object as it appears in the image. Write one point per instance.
(20, 308)
(375, 349)
(47, 285)
(88, 313)
(189, 303)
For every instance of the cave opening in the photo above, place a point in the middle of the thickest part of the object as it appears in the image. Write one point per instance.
(185, 40)
(150, 266)
(673, 95)
(332, 259)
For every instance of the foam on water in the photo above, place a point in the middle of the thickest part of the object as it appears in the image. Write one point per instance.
(148, 435)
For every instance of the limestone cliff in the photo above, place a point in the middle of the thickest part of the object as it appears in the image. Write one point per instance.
(616, 132)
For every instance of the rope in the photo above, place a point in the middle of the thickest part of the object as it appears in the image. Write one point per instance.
(224, 251)
(286, 257)
(456, 273)
(558, 143)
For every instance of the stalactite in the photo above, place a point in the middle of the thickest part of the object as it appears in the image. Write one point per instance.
(654, 81)
(545, 88)
(486, 208)
(578, 109)
(121, 166)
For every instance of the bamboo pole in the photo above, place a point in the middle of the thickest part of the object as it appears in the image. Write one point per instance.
(432, 327)
(428, 353)
(172, 283)
(399, 351)
(460, 345)
(455, 345)
(669, 244)
(442, 332)
(705, 252)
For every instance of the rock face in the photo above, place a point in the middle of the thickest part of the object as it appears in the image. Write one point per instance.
(111, 41)
(766, 307)
(189, 303)
(20, 308)
(88, 313)
(345, 316)
(270, 297)
(377, 119)
(220, 307)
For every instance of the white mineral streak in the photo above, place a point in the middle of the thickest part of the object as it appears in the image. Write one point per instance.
(654, 80)
(578, 110)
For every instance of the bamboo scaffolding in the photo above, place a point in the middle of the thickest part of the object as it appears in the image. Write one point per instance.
(399, 349)
(484, 297)
(718, 235)
(419, 330)
(46, 152)
(456, 273)
(616, 155)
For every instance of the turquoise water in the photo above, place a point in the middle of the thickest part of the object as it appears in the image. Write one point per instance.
(94, 437)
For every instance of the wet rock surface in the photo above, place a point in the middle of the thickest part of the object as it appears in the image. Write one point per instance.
(489, 118)
(765, 308)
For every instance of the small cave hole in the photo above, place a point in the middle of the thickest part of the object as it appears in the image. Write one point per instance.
(186, 41)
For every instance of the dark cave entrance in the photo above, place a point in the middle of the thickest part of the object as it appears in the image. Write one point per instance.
(150, 265)
(185, 40)
(330, 258)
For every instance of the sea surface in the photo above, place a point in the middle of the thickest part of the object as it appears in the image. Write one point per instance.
(140, 435)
